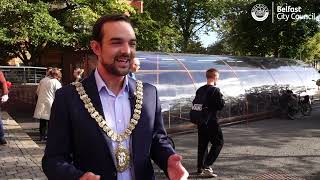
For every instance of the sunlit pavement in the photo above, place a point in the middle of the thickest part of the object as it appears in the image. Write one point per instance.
(266, 149)
(21, 157)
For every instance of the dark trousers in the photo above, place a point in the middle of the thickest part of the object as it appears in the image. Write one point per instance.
(1, 129)
(43, 127)
(212, 133)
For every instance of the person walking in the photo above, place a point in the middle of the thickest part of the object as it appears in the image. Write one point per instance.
(210, 131)
(109, 126)
(4, 98)
(45, 92)
(42, 122)
(135, 66)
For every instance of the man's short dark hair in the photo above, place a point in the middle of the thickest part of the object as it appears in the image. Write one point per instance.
(211, 73)
(97, 34)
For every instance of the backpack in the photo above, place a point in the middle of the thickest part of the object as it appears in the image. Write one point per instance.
(199, 112)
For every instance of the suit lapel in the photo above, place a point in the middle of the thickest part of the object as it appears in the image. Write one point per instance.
(92, 91)
(132, 98)
(90, 86)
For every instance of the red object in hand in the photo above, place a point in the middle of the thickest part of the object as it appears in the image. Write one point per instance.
(9, 84)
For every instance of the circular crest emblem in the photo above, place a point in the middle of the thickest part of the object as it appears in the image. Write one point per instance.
(260, 12)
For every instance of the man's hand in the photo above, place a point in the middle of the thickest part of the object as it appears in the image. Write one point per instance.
(175, 169)
(89, 176)
(4, 98)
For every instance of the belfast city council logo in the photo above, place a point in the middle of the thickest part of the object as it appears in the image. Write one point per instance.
(260, 12)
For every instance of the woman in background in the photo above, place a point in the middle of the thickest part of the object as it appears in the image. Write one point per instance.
(45, 92)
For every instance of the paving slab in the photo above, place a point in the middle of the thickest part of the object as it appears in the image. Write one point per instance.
(269, 149)
(21, 157)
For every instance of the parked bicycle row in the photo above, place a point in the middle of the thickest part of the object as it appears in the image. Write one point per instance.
(282, 101)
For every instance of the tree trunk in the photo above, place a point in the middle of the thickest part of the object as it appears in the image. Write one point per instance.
(185, 44)
(276, 52)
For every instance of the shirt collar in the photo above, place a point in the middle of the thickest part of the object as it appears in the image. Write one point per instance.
(100, 83)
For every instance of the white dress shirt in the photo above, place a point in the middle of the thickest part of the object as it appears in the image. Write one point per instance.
(117, 112)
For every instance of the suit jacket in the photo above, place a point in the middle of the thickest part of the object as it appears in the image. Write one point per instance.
(76, 144)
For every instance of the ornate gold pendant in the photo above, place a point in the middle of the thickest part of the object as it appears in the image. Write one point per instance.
(122, 154)
(122, 158)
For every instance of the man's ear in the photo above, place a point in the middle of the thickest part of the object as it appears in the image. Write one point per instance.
(96, 47)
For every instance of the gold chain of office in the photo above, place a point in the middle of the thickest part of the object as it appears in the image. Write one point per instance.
(102, 123)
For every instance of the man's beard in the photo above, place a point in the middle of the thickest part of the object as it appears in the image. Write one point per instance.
(113, 69)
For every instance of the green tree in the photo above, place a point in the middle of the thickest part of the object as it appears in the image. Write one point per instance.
(185, 17)
(151, 36)
(160, 11)
(78, 16)
(278, 39)
(192, 16)
(27, 28)
(311, 49)
(220, 47)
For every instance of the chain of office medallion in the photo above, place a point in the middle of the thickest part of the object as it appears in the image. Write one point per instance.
(102, 123)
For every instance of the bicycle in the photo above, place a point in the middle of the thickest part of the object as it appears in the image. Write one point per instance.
(296, 104)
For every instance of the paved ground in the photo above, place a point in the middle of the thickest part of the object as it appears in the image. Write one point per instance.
(267, 149)
(21, 157)
(30, 126)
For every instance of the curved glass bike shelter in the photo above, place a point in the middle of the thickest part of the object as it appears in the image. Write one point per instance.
(249, 84)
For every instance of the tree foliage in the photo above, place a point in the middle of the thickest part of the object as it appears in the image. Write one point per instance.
(28, 27)
(151, 35)
(220, 47)
(186, 17)
(78, 17)
(311, 49)
(279, 39)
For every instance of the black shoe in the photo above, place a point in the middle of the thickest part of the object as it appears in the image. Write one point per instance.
(3, 141)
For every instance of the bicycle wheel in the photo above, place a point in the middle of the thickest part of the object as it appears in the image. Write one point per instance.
(306, 109)
(292, 113)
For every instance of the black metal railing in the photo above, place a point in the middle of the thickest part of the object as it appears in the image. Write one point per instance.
(23, 74)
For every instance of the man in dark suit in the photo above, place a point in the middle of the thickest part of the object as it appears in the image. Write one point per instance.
(109, 126)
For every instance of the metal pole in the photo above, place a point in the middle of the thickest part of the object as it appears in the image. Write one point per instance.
(35, 75)
(24, 75)
(169, 119)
